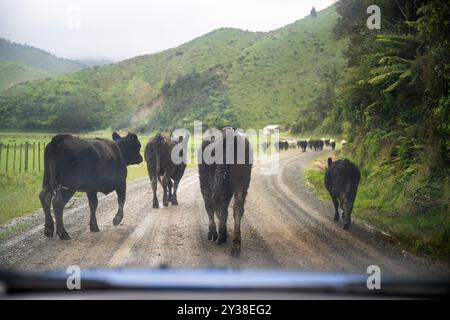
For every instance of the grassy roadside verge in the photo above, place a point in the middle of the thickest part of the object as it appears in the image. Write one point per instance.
(381, 203)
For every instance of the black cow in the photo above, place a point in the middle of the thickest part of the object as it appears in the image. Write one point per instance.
(88, 165)
(281, 145)
(303, 144)
(161, 167)
(320, 144)
(341, 180)
(316, 144)
(333, 144)
(312, 144)
(219, 182)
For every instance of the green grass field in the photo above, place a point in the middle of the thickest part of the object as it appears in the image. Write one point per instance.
(427, 232)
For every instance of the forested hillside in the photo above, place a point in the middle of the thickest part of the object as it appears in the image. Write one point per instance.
(37, 58)
(12, 72)
(20, 63)
(258, 78)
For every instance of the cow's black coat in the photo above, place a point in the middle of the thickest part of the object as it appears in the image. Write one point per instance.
(88, 165)
(220, 182)
(341, 180)
(161, 167)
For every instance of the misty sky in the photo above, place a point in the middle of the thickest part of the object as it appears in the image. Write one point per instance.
(119, 29)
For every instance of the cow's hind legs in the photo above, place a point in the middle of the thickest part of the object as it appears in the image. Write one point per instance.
(222, 231)
(59, 201)
(174, 193)
(93, 203)
(121, 193)
(212, 232)
(165, 184)
(169, 188)
(347, 208)
(238, 212)
(223, 216)
(336, 208)
(154, 182)
(46, 201)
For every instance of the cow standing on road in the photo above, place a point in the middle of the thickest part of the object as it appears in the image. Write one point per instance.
(333, 144)
(160, 166)
(316, 144)
(88, 165)
(341, 180)
(281, 145)
(303, 144)
(222, 180)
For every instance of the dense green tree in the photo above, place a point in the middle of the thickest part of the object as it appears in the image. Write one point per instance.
(394, 100)
(193, 97)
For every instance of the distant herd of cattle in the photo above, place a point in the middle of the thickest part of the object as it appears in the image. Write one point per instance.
(96, 165)
(312, 144)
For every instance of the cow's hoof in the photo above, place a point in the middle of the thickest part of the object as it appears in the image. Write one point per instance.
(165, 203)
(117, 220)
(174, 202)
(64, 235)
(155, 205)
(346, 226)
(94, 228)
(212, 235)
(48, 232)
(222, 240)
(336, 217)
(235, 251)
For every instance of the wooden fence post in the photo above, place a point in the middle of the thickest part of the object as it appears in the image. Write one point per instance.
(14, 158)
(7, 157)
(43, 155)
(20, 158)
(39, 156)
(34, 155)
(26, 156)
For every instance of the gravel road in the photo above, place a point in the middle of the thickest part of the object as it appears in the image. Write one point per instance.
(284, 227)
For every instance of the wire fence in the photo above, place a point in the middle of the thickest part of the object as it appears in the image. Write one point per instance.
(22, 157)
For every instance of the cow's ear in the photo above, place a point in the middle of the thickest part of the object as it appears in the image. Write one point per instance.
(133, 137)
(116, 136)
(330, 161)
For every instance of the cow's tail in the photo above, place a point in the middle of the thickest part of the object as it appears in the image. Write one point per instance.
(221, 175)
(159, 141)
(49, 182)
(46, 182)
(218, 189)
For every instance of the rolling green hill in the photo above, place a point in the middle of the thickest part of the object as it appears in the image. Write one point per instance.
(20, 63)
(278, 77)
(12, 72)
(37, 58)
(226, 76)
